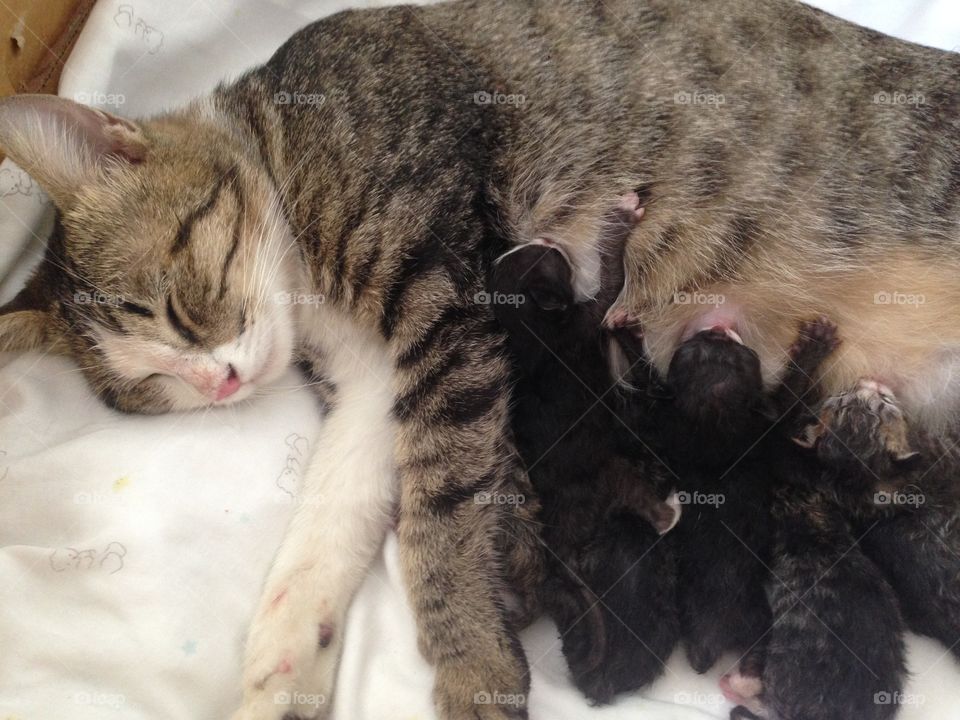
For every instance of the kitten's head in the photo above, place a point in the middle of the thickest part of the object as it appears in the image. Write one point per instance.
(718, 393)
(863, 438)
(165, 276)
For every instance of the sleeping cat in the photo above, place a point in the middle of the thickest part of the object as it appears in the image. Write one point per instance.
(204, 226)
(610, 582)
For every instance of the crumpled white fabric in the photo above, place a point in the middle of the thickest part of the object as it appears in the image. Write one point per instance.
(133, 548)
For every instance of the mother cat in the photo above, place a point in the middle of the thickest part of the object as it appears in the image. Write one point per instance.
(792, 163)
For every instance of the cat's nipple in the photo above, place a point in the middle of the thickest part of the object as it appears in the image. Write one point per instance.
(229, 386)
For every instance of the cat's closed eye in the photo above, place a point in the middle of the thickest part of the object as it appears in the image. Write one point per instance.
(178, 323)
(136, 309)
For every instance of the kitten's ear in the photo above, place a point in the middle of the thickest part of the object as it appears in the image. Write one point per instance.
(810, 435)
(65, 145)
(906, 461)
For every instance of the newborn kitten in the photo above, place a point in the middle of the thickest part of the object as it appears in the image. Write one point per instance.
(826, 595)
(835, 648)
(906, 504)
(599, 487)
(743, 453)
(724, 431)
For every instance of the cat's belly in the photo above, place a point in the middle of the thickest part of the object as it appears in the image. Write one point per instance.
(898, 321)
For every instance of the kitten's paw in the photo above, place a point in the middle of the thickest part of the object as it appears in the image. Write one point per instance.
(630, 203)
(493, 688)
(292, 652)
(816, 340)
(739, 688)
(617, 318)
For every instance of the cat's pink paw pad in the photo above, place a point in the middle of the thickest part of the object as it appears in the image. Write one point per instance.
(292, 651)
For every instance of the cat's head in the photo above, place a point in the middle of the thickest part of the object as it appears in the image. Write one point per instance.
(165, 277)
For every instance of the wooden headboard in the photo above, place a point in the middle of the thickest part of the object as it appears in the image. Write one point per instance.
(36, 37)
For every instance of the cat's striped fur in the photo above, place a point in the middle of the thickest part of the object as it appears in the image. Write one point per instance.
(772, 171)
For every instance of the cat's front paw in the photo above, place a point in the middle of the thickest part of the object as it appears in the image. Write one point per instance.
(292, 653)
(491, 690)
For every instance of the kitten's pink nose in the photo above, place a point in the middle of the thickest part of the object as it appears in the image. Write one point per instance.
(229, 386)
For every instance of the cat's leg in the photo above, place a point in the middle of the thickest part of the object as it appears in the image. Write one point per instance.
(453, 448)
(347, 502)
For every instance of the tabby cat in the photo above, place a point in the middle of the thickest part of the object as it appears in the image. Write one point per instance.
(792, 163)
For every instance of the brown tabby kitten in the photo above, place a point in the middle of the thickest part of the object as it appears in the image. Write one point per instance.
(432, 138)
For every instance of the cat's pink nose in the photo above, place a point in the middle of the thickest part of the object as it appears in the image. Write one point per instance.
(229, 386)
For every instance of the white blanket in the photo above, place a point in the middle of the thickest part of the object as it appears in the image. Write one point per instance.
(133, 548)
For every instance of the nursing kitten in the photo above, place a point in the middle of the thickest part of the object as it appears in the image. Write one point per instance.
(905, 504)
(861, 454)
(835, 649)
(728, 432)
(390, 199)
(610, 584)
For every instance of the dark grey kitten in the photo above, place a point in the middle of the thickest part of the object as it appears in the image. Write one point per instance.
(835, 650)
(905, 503)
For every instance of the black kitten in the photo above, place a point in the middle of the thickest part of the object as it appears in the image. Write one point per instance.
(725, 429)
(611, 581)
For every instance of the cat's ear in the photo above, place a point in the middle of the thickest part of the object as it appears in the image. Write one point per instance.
(65, 145)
